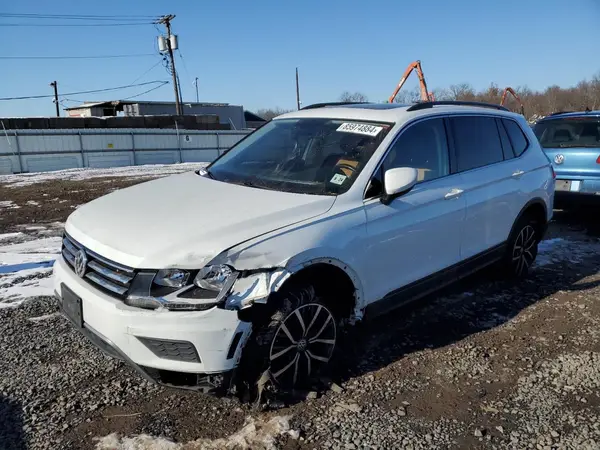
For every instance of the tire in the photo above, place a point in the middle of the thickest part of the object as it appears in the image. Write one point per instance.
(522, 248)
(294, 343)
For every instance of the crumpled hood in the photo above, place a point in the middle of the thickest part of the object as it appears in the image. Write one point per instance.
(184, 220)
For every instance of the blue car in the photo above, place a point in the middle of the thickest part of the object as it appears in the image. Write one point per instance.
(571, 140)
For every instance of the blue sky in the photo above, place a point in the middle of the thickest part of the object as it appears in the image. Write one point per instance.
(245, 52)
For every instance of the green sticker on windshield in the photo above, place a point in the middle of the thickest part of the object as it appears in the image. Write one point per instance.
(338, 179)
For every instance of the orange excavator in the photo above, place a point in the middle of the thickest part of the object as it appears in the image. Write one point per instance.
(425, 95)
(511, 91)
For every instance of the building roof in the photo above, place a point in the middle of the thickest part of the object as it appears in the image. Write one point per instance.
(129, 102)
(251, 117)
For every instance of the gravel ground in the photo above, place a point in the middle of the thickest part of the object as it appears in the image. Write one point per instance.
(484, 364)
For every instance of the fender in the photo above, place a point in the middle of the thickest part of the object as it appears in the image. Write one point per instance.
(359, 299)
(533, 201)
(257, 286)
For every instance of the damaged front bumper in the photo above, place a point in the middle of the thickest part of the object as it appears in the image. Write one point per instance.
(216, 384)
(186, 349)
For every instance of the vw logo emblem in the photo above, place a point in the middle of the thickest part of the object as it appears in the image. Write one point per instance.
(559, 159)
(80, 263)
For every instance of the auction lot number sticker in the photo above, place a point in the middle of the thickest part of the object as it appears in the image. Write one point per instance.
(360, 128)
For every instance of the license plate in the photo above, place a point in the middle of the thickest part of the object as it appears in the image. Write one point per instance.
(71, 305)
(562, 185)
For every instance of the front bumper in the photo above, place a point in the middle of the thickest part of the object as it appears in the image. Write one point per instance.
(217, 335)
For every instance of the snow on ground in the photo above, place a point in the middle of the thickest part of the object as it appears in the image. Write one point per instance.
(26, 267)
(7, 236)
(7, 204)
(146, 171)
(19, 286)
(557, 250)
(37, 251)
(256, 434)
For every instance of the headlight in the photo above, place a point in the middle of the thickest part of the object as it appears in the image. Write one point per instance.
(213, 278)
(174, 278)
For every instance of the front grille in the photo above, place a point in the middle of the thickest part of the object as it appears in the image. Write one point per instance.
(100, 272)
(174, 350)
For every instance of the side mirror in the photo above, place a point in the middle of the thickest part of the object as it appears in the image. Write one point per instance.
(397, 182)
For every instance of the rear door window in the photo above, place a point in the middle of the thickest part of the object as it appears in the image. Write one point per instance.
(477, 142)
(516, 136)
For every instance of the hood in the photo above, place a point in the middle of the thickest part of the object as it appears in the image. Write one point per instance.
(185, 220)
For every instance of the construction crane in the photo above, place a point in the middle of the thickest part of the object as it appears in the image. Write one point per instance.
(511, 91)
(425, 95)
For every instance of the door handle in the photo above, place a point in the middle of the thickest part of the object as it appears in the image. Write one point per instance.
(454, 193)
(518, 173)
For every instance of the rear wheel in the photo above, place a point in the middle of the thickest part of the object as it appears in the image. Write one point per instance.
(522, 247)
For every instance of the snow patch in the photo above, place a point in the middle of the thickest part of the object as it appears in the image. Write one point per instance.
(7, 236)
(145, 171)
(8, 204)
(35, 251)
(557, 250)
(20, 286)
(256, 434)
(44, 317)
(26, 269)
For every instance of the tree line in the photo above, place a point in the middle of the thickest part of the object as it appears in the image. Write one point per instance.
(537, 103)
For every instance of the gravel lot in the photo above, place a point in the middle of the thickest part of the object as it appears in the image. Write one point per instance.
(484, 364)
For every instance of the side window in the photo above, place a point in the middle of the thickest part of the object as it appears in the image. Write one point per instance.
(477, 141)
(422, 146)
(517, 138)
(506, 145)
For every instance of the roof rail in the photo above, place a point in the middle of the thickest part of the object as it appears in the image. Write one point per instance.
(321, 105)
(423, 105)
(560, 112)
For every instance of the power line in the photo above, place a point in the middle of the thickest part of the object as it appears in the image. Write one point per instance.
(147, 71)
(185, 66)
(73, 24)
(145, 92)
(85, 92)
(79, 57)
(75, 16)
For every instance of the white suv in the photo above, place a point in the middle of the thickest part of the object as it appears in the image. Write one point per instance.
(320, 218)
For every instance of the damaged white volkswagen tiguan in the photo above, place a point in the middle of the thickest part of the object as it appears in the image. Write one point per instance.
(249, 268)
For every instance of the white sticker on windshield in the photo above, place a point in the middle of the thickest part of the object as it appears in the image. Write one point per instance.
(338, 179)
(360, 128)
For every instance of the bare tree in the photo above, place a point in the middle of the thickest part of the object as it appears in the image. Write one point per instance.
(586, 94)
(353, 97)
(462, 91)
(270, 113)
(408, 96)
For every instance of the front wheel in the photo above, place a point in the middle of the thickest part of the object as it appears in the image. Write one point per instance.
(294, 344)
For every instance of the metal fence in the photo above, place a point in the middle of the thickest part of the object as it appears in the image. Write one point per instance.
(44, 150)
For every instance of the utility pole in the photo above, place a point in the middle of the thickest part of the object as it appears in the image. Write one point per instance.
(196, 83)
(166, 21)
(55, 86)
(297, 90)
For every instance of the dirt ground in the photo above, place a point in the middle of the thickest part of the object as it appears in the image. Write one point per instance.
(484, 364)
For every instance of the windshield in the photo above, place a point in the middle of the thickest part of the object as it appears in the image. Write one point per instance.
(308, 156)
(569, 132)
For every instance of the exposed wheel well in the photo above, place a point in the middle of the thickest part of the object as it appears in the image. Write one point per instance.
(538, 213)
(331, 283)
